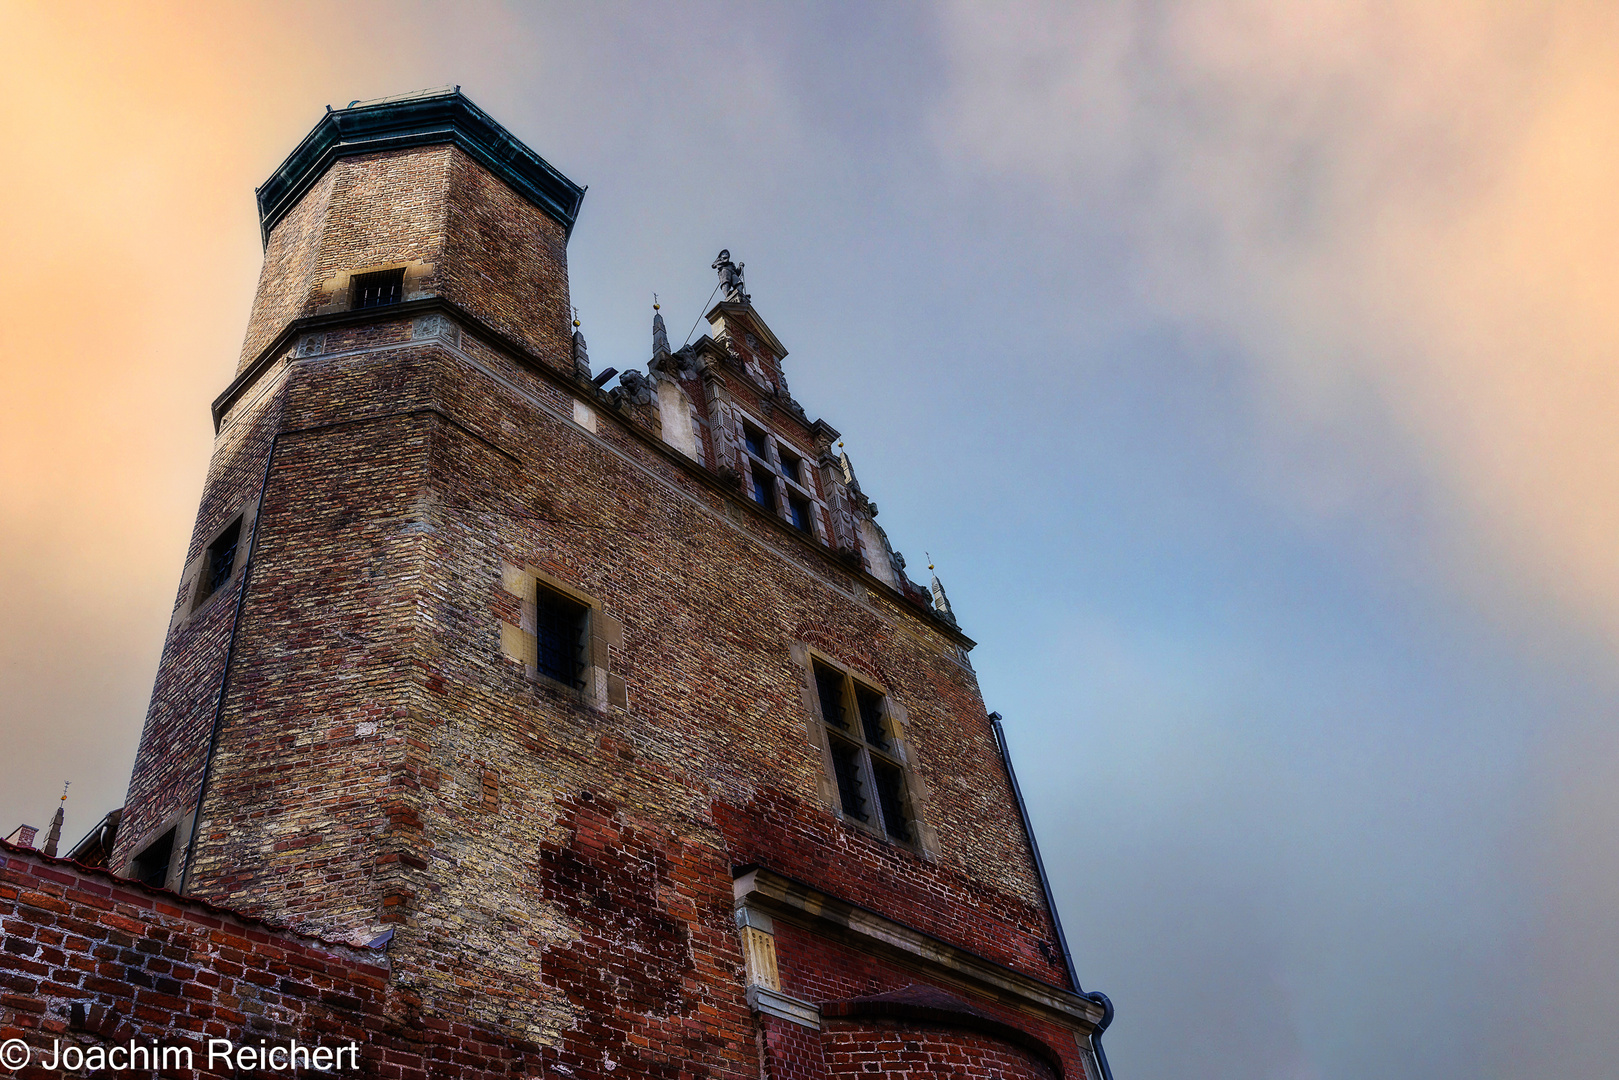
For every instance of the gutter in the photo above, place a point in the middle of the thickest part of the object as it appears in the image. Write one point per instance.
(1045, 888)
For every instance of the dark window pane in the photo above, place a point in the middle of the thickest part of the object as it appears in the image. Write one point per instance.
(764, 488)
(846, 764)
(789, 468)
(151, 867)
(755, 440)
(801, 514)
(830, 685)
(559, 635)
(871, 715)
(379, 289)
(222, 557)
(891, 797)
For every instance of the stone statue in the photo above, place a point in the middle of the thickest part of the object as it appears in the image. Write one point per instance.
(730, 277)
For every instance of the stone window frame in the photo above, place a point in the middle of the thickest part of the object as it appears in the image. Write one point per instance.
(604, 688)
(784, 485)
(896, 720)
(191, 599)
(177, 829)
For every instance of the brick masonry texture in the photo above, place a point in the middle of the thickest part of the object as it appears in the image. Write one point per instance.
(91, 960)
(556, 870)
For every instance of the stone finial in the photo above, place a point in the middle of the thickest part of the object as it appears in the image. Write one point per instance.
(660, 335)
(941, 602)
(581, 358)
(730, 277)
(54, 837)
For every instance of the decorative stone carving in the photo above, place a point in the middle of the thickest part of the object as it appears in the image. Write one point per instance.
(730, 278)
(311, 345)
(435, 326)
(633, 389)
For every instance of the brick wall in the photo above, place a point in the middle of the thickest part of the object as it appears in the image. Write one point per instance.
(88, 960)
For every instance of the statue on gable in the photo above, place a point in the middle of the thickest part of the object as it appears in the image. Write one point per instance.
(730, 277)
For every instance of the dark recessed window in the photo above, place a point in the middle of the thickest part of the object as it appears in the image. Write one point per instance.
(764, 488)
(864, 760)
(755, 440)
(560, 627)
(800, 509)
(380, 288)
(221, 560)
(151, 867)
(790, 467)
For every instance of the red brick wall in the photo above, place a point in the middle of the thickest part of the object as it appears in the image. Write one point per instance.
(895, 1052)
(89, 960)
(819, 969)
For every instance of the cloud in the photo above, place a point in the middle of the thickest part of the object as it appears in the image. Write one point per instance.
(1403, 211)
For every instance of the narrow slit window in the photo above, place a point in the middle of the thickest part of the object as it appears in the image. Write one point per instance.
(560, 628)
(380, 288)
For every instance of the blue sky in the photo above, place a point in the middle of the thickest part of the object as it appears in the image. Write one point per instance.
(1246, 369)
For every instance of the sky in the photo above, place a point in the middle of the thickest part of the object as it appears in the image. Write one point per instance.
(1247, 368)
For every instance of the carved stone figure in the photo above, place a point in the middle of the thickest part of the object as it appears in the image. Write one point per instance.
(633, 389)
(730, 277)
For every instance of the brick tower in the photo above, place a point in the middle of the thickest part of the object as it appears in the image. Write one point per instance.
(611, 713)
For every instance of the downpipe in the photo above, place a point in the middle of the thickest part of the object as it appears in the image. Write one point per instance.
(1095, 996)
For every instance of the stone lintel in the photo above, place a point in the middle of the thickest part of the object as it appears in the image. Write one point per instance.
(762, 999)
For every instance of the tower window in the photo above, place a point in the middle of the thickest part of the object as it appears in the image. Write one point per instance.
(379, 288)
(800, 510)
(866, 765)
(221, 560)
(151, 866)
(754, 439)
(764, 487)
(560, 628)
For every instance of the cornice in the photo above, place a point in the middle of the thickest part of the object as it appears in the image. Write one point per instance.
(783, 898)
(444, 115)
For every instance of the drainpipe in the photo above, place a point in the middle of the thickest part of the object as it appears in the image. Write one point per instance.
(224, 675)
(1095, 996)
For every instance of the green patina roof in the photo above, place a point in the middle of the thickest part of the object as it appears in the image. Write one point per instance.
(443, 115)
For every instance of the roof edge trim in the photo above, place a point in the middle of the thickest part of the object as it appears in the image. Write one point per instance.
(426, 119)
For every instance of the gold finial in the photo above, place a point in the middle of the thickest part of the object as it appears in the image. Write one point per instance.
(930, 559)
(654, 301)
(65, 785)
(840, 444)
(576, 318)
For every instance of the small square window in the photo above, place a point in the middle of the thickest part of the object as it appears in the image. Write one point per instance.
(221, 560)
(790, 466)
(561, 625)
(151, 866)
(378, 289)
(755, 440)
